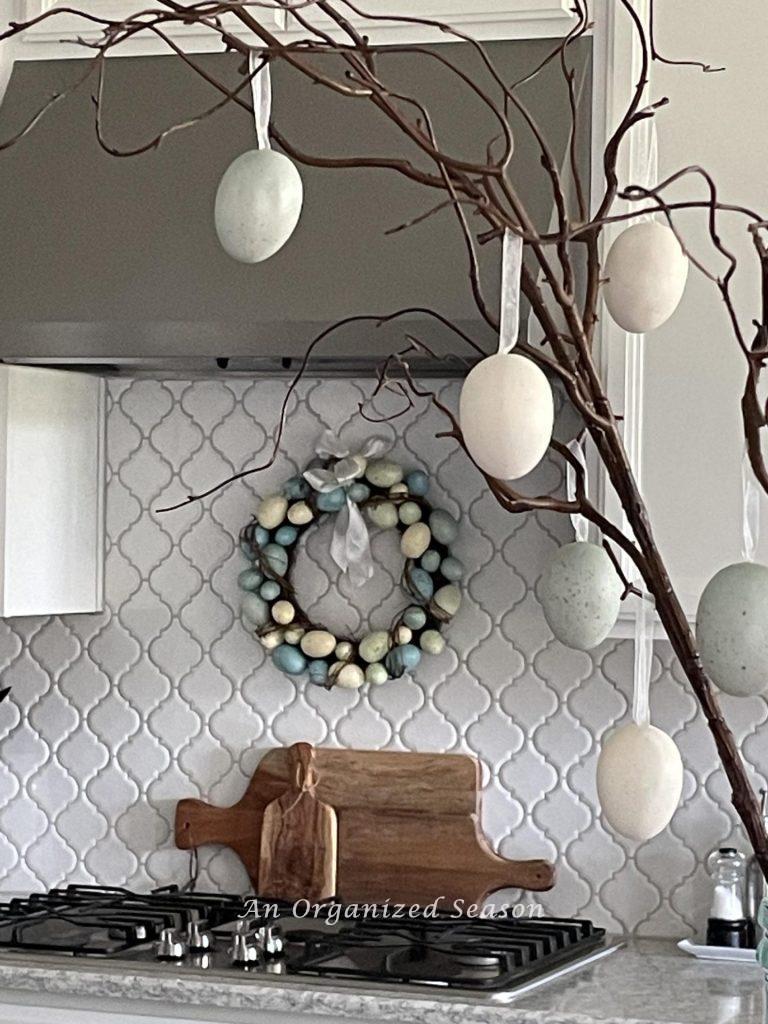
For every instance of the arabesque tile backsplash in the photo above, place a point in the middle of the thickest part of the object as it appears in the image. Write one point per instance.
(114, 717)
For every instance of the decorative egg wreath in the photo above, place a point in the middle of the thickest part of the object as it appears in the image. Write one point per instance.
(389, 498)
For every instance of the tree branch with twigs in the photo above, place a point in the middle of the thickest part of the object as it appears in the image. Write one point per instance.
(484, 190)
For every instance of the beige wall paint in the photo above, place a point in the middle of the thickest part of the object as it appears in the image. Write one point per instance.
(694, 372)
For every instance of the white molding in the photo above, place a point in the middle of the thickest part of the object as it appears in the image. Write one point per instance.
(483, 19)
(55, 38)
(616, 68)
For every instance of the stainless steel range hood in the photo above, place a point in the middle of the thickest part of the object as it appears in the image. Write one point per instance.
(115, 263)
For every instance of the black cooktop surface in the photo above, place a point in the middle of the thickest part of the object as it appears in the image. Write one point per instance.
(362, 943)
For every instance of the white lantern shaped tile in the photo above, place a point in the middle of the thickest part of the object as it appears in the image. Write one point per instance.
(639, 780)
(580, 594)
(507, 413)
(732, 629)
(258, 204)
(646, 270)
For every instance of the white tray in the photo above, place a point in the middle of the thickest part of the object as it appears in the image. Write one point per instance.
(745, 956)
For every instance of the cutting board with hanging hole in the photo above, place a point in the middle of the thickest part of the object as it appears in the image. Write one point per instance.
(407, 827)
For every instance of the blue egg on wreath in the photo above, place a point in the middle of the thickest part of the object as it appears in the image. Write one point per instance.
(397, 498)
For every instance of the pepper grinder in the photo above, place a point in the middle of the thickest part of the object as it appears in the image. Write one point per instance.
(728, 924)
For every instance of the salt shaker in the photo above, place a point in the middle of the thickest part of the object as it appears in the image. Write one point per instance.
(728, 924)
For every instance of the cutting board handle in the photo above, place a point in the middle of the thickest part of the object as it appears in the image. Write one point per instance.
(301, 758)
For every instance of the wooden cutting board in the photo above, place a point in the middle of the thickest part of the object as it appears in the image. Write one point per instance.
(407, 826)
(298, 849)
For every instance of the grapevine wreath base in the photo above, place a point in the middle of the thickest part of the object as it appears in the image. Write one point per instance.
(388, 498)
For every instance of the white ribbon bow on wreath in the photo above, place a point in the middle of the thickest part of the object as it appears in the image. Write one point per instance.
(351, 545)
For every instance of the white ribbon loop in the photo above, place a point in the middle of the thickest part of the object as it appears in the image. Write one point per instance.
(580, 524)
(750, 495)
(509, 310)
(261, 90)
(350, 545)
(641, 713)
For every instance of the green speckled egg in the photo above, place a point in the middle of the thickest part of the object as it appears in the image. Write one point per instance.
(289, 659)
(431, 642)
(254, 609)
(448, 598)
(403, 659)
(359, 492)
(409, 512)
(418, 482)
(269, 590)
(580, 593)
(443, 526)
(383, 473)
(286, 535)
(383, 514)
(452, 569)
(250, 579)
(374, 646)
(414, 617)
(430, 561)
(732, 629)
(376, 674)
(277, 558)
(421, 584)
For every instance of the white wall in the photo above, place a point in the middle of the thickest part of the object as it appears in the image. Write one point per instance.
(694, 371)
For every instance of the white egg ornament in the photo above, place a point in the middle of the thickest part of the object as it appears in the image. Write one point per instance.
(507, 412)
(732, 629)
(580, 593)
(639, 780)
(646, 270)
(258, 203)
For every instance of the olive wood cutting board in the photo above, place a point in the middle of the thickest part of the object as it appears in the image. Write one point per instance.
(298, 851)
(408, 826)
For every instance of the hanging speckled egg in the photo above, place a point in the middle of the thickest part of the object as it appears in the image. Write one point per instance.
(732, 629)
(580, 592)
(639, 780)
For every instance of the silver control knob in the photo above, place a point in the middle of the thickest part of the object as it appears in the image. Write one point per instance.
(170, 946)
(199, 939)
(246, 950)
(271, 942)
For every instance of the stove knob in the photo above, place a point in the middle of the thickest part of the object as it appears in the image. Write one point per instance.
(199, 939)
(246, 950)
(170, 946)
(271, 942)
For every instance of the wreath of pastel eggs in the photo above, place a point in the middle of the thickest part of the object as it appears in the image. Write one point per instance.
(389, 498)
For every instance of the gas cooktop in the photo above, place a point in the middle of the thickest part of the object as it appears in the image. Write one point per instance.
(364, 944)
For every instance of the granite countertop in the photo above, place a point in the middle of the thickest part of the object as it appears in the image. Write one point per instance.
(646, 981)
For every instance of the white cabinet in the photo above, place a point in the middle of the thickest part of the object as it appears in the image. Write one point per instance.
(53, 37)
(483, 19)
(52, 481)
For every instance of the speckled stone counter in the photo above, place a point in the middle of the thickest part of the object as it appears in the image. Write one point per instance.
(648, 981)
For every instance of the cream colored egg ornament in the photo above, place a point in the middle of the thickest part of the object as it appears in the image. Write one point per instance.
(646, 270)
(732, 629)
(580, 593)
(639, 780)
(507, 412)
(258, 203)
